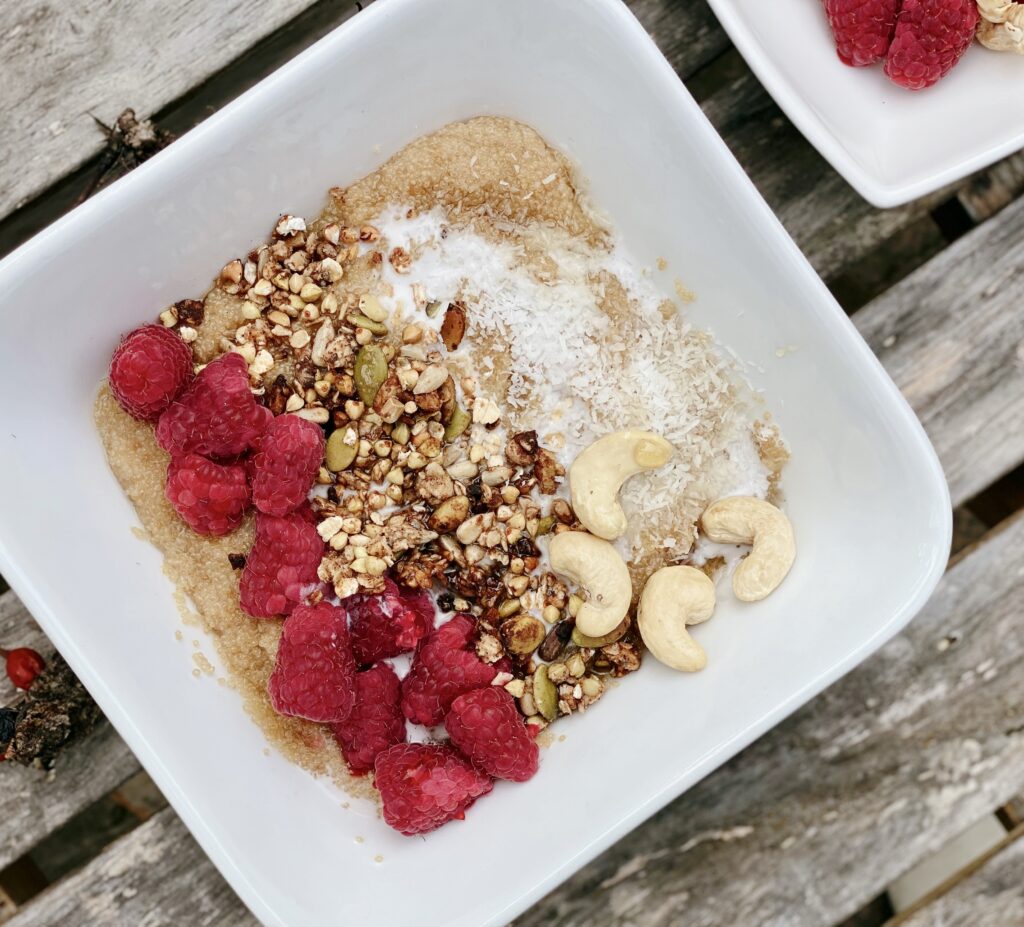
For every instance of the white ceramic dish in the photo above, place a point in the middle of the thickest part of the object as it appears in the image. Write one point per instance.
(865, 490)
(891, 144)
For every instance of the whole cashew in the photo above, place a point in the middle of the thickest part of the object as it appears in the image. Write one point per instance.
(598, 473)
(745, 520)
(674, 597)
(599, 569)
(1002, 25)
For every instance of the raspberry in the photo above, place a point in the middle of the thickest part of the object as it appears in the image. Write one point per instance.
(23, 664)
(423, 786)
(314, 674)
(211, 498)
(486, 726)
(931, 36)
(289, 456)
(217, 415)
(862, 28)
(388, 624)
(149, 368)
(282, 563)
(376, 721)
(444, 667)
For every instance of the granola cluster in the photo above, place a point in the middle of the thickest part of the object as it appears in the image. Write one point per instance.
(421, 479)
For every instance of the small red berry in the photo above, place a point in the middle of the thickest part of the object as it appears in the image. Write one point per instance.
(148, 370)
(289, 457)
(487, 728)
(931, 37)
(388, 624)
(211, 498)
(863, 29)
(376, 721)
(282, 566)
(23, 665)
(423, 786)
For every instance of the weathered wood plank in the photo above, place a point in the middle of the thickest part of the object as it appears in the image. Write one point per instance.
(952, 337)
(991, 896)
(62, 63)
(805, 825)
(34, 803)
(828, 219)
(686, 31)
(156, 875)
(993, 189)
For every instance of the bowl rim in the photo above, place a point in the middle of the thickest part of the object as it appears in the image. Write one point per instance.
(879, 192)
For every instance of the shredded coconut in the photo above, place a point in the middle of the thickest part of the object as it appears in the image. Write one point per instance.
(575, 341)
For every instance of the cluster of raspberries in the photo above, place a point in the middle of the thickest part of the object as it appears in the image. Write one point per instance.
(920, 40)
(229, 452)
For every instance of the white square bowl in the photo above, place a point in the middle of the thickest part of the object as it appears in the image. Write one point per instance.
(865, 490)
(892, 145)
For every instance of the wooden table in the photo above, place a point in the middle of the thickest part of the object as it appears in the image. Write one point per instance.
(811, 822)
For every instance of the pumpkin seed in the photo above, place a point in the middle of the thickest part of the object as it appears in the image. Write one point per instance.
(524, 634)
(433, 308)
(545, 525)
(339, 455)
(458, 423)
(377, 328)
(545, 695)
(370, 371)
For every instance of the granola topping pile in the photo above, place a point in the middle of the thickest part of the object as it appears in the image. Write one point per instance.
(421, 479)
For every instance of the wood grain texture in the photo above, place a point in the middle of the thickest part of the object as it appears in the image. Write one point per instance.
(805, 826)
(686, 31)
(62, 63)
(155, 876)
(34, 803)
(952, 337)
(828, 219)
(991, 896)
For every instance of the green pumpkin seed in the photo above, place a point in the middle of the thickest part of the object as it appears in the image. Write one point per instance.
(545, 525)
(581, 640)
(522, 635)
(339, 455)
(378, 328)
(545, 695)
(370, 371)
(458, 423)
(434, 308)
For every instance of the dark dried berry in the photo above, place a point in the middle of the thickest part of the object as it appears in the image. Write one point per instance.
(237, 561)
(446, 602)
(555, 641)
(277, 395)
(190, 312)
(524, 547)
(8, 719)
(332, 494)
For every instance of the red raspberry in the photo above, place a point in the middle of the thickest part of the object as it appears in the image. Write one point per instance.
(281, 565)
(486, 726)
(388, 624)
(211, 498)
(217, 416)
(444, 667)
(150, 367)
(376, 721)
(423, 786)
(314, 675)
(23, 664)
(289, 456)
(863, 29)
(931, 36)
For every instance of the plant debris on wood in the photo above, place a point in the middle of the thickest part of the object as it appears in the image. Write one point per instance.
(130, 141)
(54, 712)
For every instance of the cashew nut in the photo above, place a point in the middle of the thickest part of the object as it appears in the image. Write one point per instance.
(599, 569)
(674, 597)
(1002, 25)
(745, 520)
(599, 471)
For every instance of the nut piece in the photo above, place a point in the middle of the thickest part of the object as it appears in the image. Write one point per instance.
(597, 567)
(596, 476)
(581, 640)
(674, 597)
(746, 520)
(523, 635)
(545, 695)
